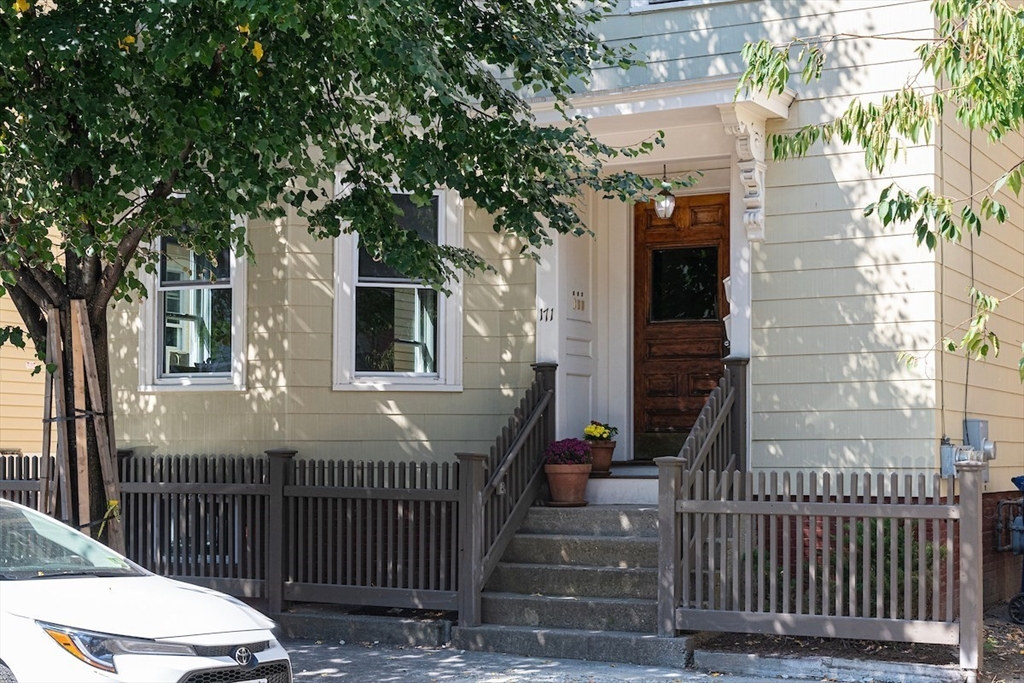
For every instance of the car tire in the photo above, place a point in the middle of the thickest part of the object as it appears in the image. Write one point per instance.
(6, 675)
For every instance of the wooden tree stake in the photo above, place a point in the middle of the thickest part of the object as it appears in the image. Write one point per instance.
(81, 443)
(115, 539)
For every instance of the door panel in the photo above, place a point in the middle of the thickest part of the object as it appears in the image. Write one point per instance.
(679, 339)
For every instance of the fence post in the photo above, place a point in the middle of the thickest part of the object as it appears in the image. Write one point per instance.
(471, 536)
(670, 470)
(736, 370)
(972, 632)
(279, 474)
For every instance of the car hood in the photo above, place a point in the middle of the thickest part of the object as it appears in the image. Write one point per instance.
(139, 606)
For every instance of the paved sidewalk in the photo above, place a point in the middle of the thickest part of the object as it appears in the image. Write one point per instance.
(321, 661)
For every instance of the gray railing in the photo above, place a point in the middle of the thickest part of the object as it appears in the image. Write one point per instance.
(501, 487)
(856, 557)
(718, 438)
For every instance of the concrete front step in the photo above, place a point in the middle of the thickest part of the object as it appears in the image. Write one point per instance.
(591, 551)
(622, 491)
(562, 580)
(329, 622)
(601, 646)
(593, 520)
(563, 612)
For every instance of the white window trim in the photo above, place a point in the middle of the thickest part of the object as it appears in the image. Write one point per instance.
(150, 380)
(346, 266)
(640, 6)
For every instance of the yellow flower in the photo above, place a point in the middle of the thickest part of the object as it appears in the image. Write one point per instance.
(257, 50)
(124, 43)
(243, 28)
(21, 6)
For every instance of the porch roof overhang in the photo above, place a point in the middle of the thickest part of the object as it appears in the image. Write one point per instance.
(715, 122)
(698, 94)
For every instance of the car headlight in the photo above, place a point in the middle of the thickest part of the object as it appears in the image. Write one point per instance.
(98, 649)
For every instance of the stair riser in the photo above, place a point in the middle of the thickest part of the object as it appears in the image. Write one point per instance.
(575, 581)
(574, 614)
(583, 551)
(592, 521)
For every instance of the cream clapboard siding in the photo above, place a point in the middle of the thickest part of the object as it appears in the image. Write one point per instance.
(994, 263)
(289, 400)
(683, 43)
(835, 298)
(21, 392)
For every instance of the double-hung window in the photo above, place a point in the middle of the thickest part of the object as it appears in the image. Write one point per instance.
(392, 331)
(192, 320)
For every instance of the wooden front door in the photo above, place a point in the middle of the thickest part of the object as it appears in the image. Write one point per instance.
(679, 337)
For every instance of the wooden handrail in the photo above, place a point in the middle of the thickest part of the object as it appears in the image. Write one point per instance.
(517, 445)
(488, 523)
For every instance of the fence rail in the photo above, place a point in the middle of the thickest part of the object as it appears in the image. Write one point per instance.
(816, 555)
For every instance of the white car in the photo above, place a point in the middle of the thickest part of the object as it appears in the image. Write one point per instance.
(72, 610)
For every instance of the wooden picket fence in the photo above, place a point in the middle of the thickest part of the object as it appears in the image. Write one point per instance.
(872, 557)
(281, 529)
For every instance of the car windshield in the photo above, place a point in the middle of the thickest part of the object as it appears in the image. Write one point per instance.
(34, 546)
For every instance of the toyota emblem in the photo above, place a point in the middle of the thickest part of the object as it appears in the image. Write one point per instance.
(243, 655)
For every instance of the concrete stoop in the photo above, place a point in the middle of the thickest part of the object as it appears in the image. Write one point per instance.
(565, 643)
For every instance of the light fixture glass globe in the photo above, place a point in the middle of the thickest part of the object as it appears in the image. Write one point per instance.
(664, 204)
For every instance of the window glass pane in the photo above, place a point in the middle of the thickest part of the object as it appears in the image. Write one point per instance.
(684, 284)
(197, 331)
(181, 265)
(420, 219)
(396, 329)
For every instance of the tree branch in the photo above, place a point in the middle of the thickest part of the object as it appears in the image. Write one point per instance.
(115, 269)
(31, 314)
(42, 285)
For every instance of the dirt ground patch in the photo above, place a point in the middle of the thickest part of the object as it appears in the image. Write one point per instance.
(1003, 660)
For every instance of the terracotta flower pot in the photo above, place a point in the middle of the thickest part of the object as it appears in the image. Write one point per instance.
(602, 455)
(568, 483)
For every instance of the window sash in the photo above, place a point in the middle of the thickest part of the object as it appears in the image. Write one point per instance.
(220, 364)
(448, 323)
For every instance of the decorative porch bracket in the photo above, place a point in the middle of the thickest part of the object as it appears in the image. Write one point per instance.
(745, 121)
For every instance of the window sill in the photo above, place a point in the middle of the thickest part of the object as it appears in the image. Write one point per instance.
(192, 386)
(399, 385)
(643, 7)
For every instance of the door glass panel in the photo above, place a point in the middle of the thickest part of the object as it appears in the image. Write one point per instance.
(684, 284)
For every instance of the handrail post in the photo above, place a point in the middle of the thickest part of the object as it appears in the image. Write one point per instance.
(670, 470)
(279, 473)
(472, 479)
(736, 371)
(972, 632)
(546, 376)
